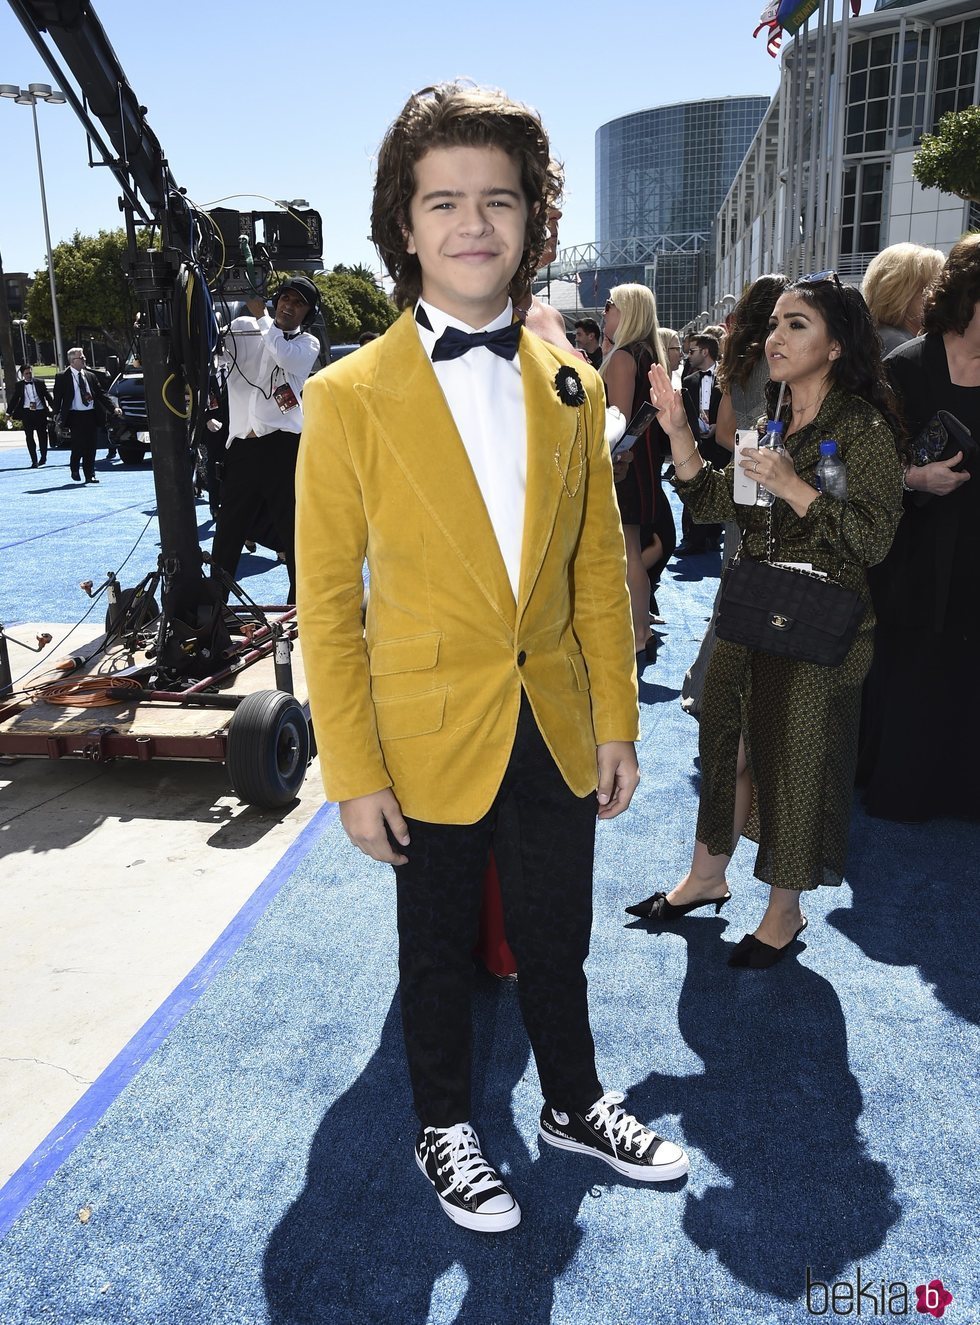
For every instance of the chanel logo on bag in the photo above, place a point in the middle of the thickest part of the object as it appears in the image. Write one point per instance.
(780, 622)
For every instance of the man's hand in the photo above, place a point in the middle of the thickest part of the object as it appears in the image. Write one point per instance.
(256, 307)
(364, 819)
(619, 776)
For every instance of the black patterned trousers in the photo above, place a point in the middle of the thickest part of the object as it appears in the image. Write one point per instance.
(543, 838)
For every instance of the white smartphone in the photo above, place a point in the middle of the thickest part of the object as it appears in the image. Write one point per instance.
(745, 489)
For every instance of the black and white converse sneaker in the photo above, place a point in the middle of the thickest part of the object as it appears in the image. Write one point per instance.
(609, 1133)
(470, 1190)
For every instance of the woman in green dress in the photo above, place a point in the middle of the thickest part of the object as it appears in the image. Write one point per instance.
(778, 737)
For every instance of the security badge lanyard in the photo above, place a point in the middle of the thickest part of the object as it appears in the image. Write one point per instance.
(284, 395)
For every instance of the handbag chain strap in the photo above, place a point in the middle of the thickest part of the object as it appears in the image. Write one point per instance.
(797, 570)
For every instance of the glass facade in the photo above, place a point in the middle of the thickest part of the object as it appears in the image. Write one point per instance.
(664, 173)
(907, 65)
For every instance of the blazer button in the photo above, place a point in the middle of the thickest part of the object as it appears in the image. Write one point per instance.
(521, 658)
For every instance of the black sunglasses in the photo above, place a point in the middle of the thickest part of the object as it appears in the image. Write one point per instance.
(609, 304)
(816, 277)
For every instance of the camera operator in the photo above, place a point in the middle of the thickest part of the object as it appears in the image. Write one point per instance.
(268, 359)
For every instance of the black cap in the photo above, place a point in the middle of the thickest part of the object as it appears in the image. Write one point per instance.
(304, 287)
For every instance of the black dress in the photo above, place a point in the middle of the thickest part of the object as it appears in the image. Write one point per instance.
(920, 732)
(637, 493)
(799, 720)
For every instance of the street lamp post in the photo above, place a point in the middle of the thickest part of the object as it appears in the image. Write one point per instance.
(30, 96)
(20, 323)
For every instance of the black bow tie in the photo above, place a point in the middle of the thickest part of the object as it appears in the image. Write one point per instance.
(453, 342)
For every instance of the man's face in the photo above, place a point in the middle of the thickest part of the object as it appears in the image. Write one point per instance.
(290, 311)
(27, 374)
(77, 360)
(586, 340)
(698, 358)
(467, 227)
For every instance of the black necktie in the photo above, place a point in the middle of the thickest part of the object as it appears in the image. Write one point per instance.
(453, 342)
(83, 391)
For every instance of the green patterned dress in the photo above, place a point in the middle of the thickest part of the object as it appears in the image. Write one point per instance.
(800, 720)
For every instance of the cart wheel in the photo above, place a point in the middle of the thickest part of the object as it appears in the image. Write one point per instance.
(268, 749)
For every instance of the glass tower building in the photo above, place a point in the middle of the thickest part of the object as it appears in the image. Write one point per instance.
(661, 177)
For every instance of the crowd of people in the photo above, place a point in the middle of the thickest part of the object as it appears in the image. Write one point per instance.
(485, 700)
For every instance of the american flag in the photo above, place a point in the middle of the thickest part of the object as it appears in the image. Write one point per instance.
(781, 16)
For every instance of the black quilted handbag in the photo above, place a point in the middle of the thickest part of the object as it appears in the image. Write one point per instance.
(794, 614)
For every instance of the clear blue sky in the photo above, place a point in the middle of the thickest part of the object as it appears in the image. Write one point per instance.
(241, 104)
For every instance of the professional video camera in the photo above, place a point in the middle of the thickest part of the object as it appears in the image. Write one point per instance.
(253, 244)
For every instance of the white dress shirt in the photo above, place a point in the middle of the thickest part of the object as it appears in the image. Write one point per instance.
(259, 360)
(31, 399)
(485, 396)
(77, 402)
(707, 385)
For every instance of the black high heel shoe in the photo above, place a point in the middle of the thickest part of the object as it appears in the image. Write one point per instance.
(658, 908)
(751, 953)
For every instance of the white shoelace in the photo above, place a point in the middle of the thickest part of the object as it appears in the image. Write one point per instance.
(623, 1131)
(459, 1147)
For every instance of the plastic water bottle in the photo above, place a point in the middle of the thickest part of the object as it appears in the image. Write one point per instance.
(831, 472)
(773, 441)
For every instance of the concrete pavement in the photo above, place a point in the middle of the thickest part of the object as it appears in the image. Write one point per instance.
(114, 881)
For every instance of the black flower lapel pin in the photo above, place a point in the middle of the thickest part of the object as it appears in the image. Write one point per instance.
(569, 386)
(570, 391)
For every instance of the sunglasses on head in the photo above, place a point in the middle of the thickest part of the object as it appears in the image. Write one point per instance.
(816, 277)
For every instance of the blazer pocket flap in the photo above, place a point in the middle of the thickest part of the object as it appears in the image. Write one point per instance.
(579, 670)
(411, 715)
(414, 653)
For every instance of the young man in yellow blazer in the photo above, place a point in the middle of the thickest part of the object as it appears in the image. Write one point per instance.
(490, 700)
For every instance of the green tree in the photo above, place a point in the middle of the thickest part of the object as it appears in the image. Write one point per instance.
(360, 271)
(949, 159)
(372, 307)
(93, 290)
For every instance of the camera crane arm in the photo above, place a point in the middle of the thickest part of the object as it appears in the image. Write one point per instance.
(134, 155)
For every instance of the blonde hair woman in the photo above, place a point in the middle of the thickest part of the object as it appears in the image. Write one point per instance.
(894, 288)
(631, 324)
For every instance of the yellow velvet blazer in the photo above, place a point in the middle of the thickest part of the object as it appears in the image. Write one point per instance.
(424, 697)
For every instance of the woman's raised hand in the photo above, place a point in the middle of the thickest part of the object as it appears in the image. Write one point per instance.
(668, 401)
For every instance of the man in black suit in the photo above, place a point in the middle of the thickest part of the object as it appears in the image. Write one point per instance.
(702, 396)
(588, 338)
(31, 403)
(82, 403)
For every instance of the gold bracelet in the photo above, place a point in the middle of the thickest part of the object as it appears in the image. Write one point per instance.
(679, 464)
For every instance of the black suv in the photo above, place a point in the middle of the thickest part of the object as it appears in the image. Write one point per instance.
(130, 434)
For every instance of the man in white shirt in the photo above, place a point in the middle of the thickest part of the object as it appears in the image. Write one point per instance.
(489, 700)
(703, 396)
(82, 403)
(268, 360)
(30, 403)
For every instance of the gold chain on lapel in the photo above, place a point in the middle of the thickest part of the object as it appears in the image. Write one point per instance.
(580, 446)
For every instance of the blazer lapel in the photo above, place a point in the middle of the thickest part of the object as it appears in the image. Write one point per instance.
(555, 457)
(407, 404)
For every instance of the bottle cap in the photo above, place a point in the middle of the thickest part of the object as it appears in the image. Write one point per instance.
(775, 425)
(828, 448)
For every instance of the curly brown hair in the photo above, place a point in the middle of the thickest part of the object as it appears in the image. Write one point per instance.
(459, 115)
(950, 305)
(749, 327)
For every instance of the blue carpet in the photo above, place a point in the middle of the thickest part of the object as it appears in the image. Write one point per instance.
(54, 533)
(258, 1167)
